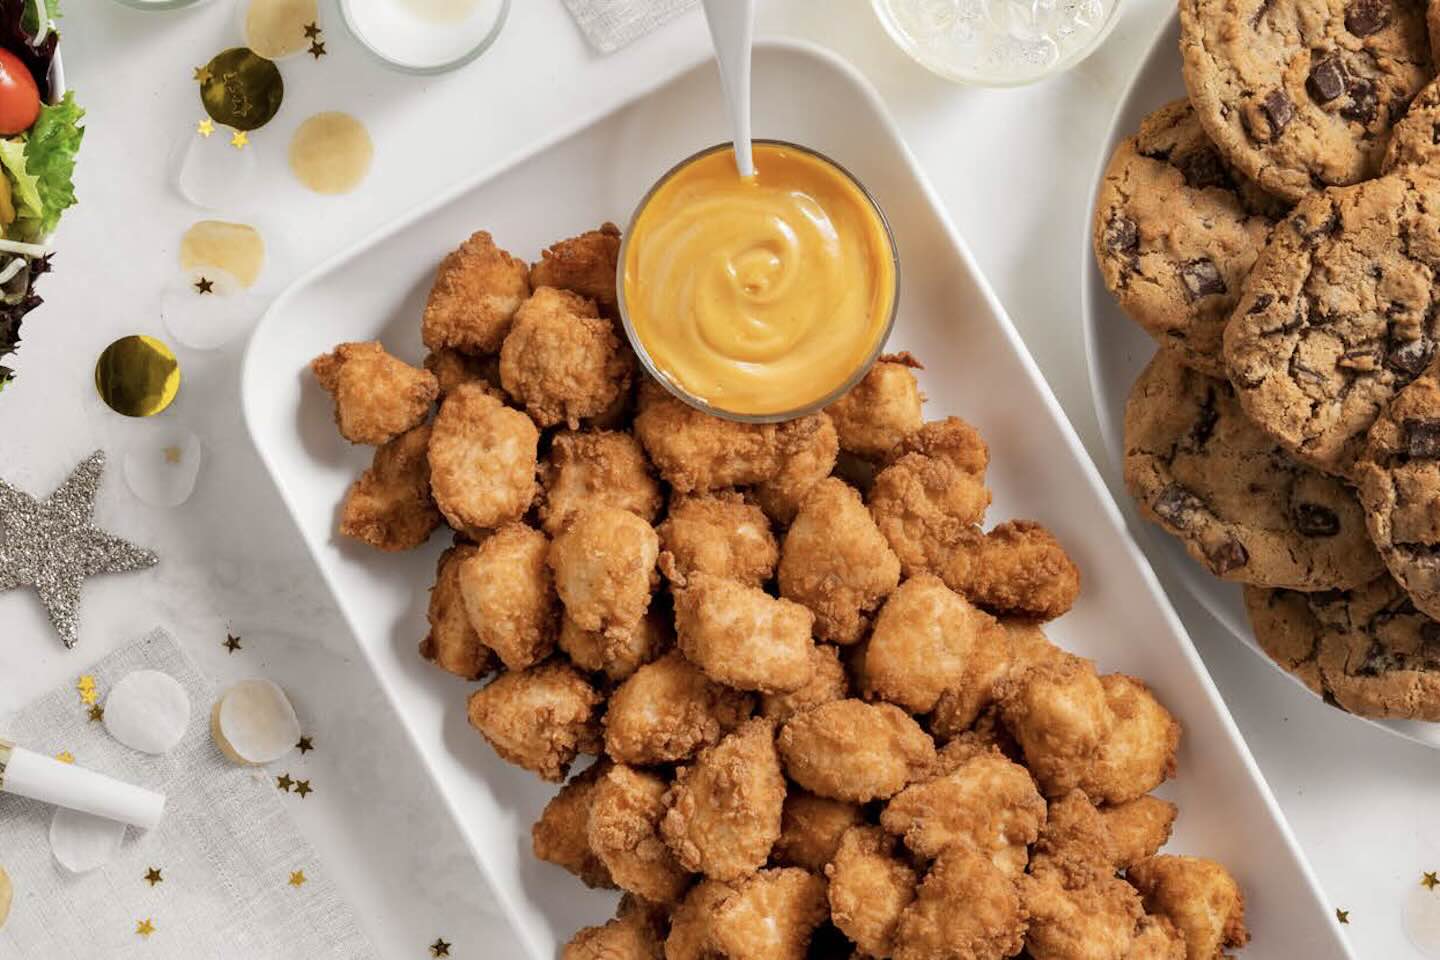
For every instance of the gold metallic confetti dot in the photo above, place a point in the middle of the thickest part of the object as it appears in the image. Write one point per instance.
(205, 127)
(65, 756)
(303, 788)
(317, 49)
(145, 927)
(1342, 916)
(439, 948)
(96, 713)
(284, 782)
(152, 876)
(297, 878)
(137, 376)
(231, 643)
(305, 745)
(243, 90)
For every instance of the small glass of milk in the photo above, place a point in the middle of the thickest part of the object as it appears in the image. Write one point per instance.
(425, 36)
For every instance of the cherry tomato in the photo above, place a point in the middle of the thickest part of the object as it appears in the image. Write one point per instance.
(19, 97)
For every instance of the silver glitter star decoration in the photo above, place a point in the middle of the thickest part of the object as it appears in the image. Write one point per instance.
(52, 546)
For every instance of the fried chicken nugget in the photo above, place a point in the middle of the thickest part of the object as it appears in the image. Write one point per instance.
(629, 936)
(696, 452)
(869, 889)
(667, 710)
(952, 440)
(539, 718)
(482, 461)
(966, 908)
(769, 915)
(585, 265)
(1138, 828)
(836, 562)
(856, 751)
(828, 682)
(1139, 752)
(377, 397)
(560, 835)
(604, 566)
(1075, 844)
(452, 642)
(989, 805)
(811, 828)
(927, 508)
(743, 637)
(692, 921)
(924, 643)
(623, 830)
(477, 290)
(596, 467)
(1199, 896)
(617, 654)
(959, 707)
(724, 809)
(389, 506)
(1059, 715)
(881, 410)
(562, 360)
(509, 596)
(452, 368)
(780, 496)
(1017, 569)
(718, 534)
(1156, 938)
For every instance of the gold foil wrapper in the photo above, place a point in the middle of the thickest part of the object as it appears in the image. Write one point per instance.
(137, 376)
(241, 89)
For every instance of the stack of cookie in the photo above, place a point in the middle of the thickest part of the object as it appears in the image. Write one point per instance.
(1278, 234)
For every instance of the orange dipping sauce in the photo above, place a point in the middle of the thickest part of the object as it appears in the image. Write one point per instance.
(764, 296)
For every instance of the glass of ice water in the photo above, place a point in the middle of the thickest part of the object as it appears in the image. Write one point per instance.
(997, 43)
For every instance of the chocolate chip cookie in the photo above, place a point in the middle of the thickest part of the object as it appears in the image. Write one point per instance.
(1367, 650)
(1415, 141)
(1339, 312)
(1302, 94)
(1399, 483)
(1242, 507)
(1176, 231)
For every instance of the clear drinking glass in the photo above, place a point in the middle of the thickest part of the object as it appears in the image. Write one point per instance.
(997, 43)
(425, 36)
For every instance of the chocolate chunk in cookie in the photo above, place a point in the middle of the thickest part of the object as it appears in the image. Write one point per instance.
(1239, 503)
(1301, 95)
(1399, 482)
(1415, 141)
(1340, 311)
(1176, 230)
(1366, 650)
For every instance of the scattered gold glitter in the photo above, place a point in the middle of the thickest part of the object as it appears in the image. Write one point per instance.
(137, 376)
(241, 89)
(172, 454)
(303, 788)
(204, 285)
(145, 927)
(1342, 916)
(284, 782)
(439, 948)
(152, 876)
(65, 756)
(305, 745)
(96, 713)
(297, 878)
(205, 127)
(238, 139)
(231, 643)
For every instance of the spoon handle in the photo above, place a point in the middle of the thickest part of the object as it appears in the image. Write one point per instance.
(732, 28)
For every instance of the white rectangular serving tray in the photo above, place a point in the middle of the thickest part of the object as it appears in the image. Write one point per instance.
(976, 367)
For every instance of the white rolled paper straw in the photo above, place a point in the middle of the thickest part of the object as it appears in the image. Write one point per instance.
(28, 774)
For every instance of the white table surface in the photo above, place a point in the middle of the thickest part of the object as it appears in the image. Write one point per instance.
(1014, 168)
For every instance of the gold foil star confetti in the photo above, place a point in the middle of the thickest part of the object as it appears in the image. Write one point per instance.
(439, 948)
(238, 139)
(65, 756)
(96, 713)
(297, 878)
(232, 643)
(305, 744)
(145, 927)
(303, 788)
(1342, 916)
(312, 31)
(152, 876)
(205, 127)
(204, 285)
(86, 686)
(202, 75)
(1429, 880)
(317, 49)
(284, 782)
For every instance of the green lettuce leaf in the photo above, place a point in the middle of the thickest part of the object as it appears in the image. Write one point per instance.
(50, 150)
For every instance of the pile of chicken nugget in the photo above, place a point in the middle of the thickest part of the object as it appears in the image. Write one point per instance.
(825, 719)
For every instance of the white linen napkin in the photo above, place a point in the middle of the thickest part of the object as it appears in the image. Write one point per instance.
(610, 24)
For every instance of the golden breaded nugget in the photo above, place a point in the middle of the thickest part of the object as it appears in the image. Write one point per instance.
(539, 719)
(1139, 752)
(509, 597)
(719, 534)
(691, 922)
(617, 654)
(604, 566)
(561, 361)
(870, 888)
(623, 830)
(743, 637)
(1139, 827)
(482, 461)
(1058, 714)
(560, 835)
(952, 440)
(389, 506)
(780, 496)
(965, 907)
(626, 937)
(667, 710)
(585, 265)
(1200, 897)
(452, 368)
(452, 642)
(856, 751)
(477, 290)
(771, 915)
(811, 828)
(926, 507)
(827, 683)
(596, 467)
(1018, 569)
(377, 397)
(881, 410)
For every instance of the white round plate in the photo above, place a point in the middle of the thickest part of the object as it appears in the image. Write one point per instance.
(1117, 350)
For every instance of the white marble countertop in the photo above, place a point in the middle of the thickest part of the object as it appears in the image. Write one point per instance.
(1014, 168)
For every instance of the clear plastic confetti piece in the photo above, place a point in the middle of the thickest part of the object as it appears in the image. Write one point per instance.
(147, 710)
(206, 308)
(254, 723)
(162, 465)
(208, 171)
(81, 841)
